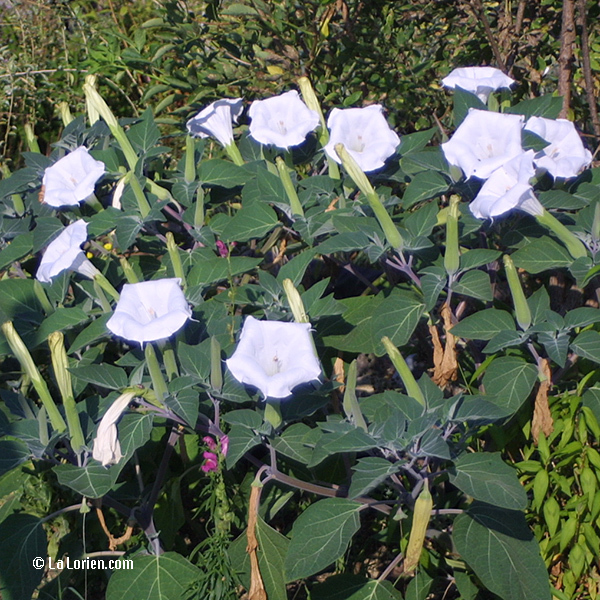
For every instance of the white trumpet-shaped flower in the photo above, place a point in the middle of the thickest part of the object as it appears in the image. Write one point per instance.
(216, 120)
(483, 142)
(65, 253)
(274, 357)
(149, 311)
(481, 81)
(565, 156)
(508, 187)
(107, 448)
(365, 134)
(283, 120)
(71, 179)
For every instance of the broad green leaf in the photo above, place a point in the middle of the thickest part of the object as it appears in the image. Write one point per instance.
(320, 535)
(587, 344)
(93, 332)
(222, 173)
(19, 247)
(415, 141)
(296, 268)
(368, 473)
(547, 106)
(344, 242)
(184, 403)
(165, 577)
(486, 477)
(419, 587)
(556, 346)
(23, 539)
(591, 399)
(422, 221)
(134, 431)
(272, 550)
(498, 545)
(484, 325)
(92, 481)
(475, 284)
(477, 258)
(501, 340)
(541, 254)
(478, 409)
(12, 454)
(17, 299)
(60, 320)
(539, 303)
(297, 442)
(508, 381)
(354, 587)
(253, 221)
(241, 439)
(212, 270)
(271, 188)
(463, 101)
(354, 440)
(423, 186)
(107, 376)
(195, 360)
(582, 317)
(145, 134)
(244, 417)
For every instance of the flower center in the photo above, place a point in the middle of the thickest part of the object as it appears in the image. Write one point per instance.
(281, 127)
(273, 366)
(357, 144)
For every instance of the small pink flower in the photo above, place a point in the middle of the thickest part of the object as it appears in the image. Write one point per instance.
(224, 445)
(212, 445)
(212, 462)
(222, 248)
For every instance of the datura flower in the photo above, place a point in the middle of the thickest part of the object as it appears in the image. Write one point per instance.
(481, 81)
(65, 253)
(150, 310)
(274, 357)
(565, 156)
(107, 448)
(216, 120)
(483, 142)
(71, 179)
(283, 120)
(365, 134)
(508, 187)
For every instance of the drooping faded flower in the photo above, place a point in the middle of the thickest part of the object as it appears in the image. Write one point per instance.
(216, 120)
(150, 310)
(481, 81)
(107, 448)
(283, 120)
(565, 156)
(274, 357)
(483, 142)
(365, 134)
(65, 253)
(71, 179)
(508, 187)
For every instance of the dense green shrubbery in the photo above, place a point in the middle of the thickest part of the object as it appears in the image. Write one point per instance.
(398, 266)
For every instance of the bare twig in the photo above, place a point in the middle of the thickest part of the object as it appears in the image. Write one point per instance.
(477, 6)
(587, 68)
(565, 58)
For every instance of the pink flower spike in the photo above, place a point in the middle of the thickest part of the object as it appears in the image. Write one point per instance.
(212, 445)
(224, 445)
(222, 248)
(211, 464)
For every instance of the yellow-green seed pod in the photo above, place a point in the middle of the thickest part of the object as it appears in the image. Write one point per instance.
(551, 511)
(421, 515)
(540, 487)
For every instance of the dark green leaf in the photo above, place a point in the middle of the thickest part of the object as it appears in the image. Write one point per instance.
(423, 186)
(60, 320)
(92, 481)
(253, 221)
(93, 332)
(587, 344)
(539, 303)
(222, 173)
(541, 254)
(241, 439)
(354, 587)
(12, 454)
(212, 270)
(582, 317)
(547, 106)
(19, 247)
(501, 340)
(484, 325)
(463, 101)
(475, 284)
(320, 535)
(145, 134)
(368, 473)
(508, 381)
(107, 376)
(477, 258)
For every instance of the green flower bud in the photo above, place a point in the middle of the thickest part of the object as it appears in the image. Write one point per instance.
(522, 311)
(452, 255)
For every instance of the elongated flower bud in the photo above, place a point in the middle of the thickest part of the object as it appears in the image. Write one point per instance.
(421, 515)
(295, 302)
(408, 379)
(452, 255)
(522, 311)
(288, 185)
(311, 100)
(364, 185)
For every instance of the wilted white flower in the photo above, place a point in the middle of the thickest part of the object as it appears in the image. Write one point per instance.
(565, 156)
(217, 120)
(274, 357)
(65, 253)
(107, 448)
(71, 179)
(365, 134)
(283, 120)
(151, 310)
(508, 187)
(483, 142)
(481, 81)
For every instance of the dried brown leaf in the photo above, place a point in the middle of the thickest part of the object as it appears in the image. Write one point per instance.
(542, 417)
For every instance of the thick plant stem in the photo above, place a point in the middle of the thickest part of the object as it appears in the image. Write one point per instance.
(28, 365)
(158, 381)
(573, 245)
(234, 154)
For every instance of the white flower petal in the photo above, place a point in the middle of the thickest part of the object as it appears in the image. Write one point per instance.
(151, 310)
(107, 448)
(217, 120)
(274, 357)
(65, 253)
(71, 179)
(478, 80)
(283, 120)
(507, 188)
(365, 134)
(483, 142)
(565, 156)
